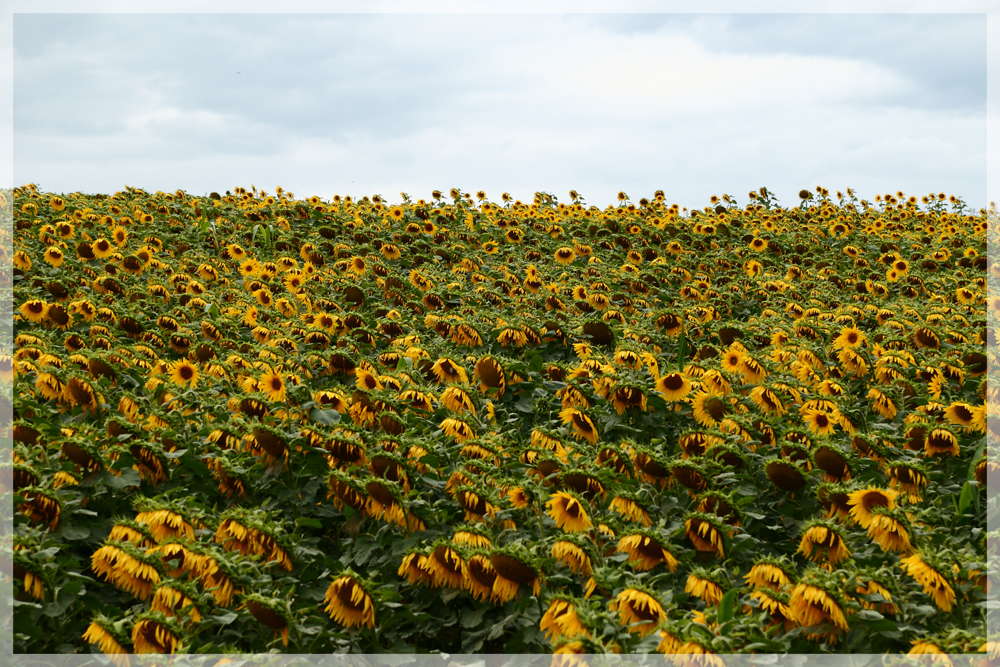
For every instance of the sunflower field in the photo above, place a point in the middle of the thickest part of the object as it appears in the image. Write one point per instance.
(252, 423)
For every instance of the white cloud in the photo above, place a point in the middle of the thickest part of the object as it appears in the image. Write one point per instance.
(367, 104)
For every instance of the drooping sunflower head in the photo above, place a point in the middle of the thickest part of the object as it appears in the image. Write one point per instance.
(569, 511)
(154, 632)
(110, 638)
(447, 565)
(638, 610)
(580, 423)
(815, 600)
(646, 550)
(823, 542)
(514, 568)
(888, 528)
(862, 501)
(706, 532)
(625, 397)
(561, 619)
(349, 603)
(571, 551)
(771, 572)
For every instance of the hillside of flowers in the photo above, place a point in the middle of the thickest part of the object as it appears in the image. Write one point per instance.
(253, 422)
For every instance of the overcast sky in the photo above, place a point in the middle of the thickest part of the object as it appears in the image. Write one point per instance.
(360, 104)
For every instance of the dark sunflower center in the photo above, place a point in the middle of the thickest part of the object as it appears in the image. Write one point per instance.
(673, 382)
(345, 594)
(875, 500)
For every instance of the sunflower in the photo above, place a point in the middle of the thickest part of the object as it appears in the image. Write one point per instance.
(908, 478)
(962, 414)
(673, 386)
(819, 421)
(560, 620)
(888, 531)
(706, 533)
(34, 310)
(785, 474)
(447, 567)
(753, 371)
(572, 556)
(273, 386)
(768, 573)
(481, 576)
(631, 510)
(583, 427)
(457, 429)
(109, 639)
(874, 588)
(702, 585)
(165, 524)
(349, 603)
(925, 647)
(627, 397)
(767, 401)
(102, 248)
(564, 255)
(863, 501)
(933, 582)
(416, 568)
(457, 400)
(153, 634)
(127, 568)
(470, 536)
(813, 605)
(821, 540)
(849, 337)
(638, 611)
(512, 572)
(448, 371)
(168, 599)
(184, 373)
(646, 552)
(568, 512)
(709, 409)
(32, 582)
(23, 261)
(79, 392)
(54, 256)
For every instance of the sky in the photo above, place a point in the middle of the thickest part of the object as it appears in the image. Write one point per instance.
(360, 104)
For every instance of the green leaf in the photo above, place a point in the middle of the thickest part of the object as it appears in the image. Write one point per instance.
(726, 606)
(868, 615)
(535, 364)
(472, 618)
(129, 477)
(325, 417)
(305, 522)
(524, 405)
(71, 532)
(225, 619)
(681, 351)
(965, 499)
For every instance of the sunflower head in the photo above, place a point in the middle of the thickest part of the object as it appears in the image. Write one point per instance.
(569, 511)
(348, 601)
(110, 637)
